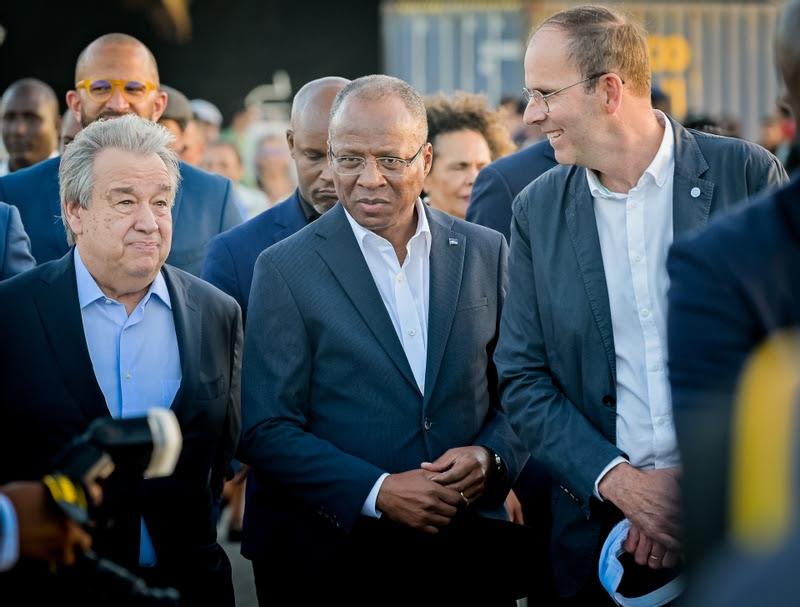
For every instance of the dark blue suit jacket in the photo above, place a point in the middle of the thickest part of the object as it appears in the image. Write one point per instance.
(205, 205)
(49, 394)
(329, 398)
(732, 286)
(499, 183)
(15, 247)
(232, 255)
(556, 355)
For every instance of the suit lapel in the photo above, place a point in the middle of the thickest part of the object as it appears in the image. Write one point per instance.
(582, 228)
(691, 195)
(446, 267)
(60, 312)
(340, 252)
(189, 333)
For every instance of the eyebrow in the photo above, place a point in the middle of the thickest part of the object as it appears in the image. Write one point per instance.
(131, 191)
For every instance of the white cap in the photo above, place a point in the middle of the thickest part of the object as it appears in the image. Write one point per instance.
(611, 571)
(205, 111)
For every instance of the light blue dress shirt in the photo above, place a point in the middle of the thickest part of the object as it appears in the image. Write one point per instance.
(135, 358)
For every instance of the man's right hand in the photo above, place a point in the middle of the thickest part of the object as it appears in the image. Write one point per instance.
(649, 499)
(413, 499)
(45, 533)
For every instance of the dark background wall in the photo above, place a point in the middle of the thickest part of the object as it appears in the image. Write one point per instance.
(235, 45)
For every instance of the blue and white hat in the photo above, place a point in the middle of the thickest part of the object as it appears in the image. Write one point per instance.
(611, 571)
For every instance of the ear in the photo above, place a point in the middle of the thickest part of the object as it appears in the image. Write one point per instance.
(159, 105)
(427, 158)
(610, 88)
(74, 104)
(290, 141)
(73, 211)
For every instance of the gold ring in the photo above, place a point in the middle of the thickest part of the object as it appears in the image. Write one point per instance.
(655, 558)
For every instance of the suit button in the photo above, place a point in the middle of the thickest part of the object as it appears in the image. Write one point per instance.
(427, 424)
(609, 401)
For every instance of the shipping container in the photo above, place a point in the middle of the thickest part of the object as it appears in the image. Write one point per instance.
(714, 59)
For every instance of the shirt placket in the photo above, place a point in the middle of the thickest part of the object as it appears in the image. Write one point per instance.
(637, 253)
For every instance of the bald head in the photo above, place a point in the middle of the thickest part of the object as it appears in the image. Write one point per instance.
(114, 43)
(378, 87)
(312, 103)
(116, 75)
(307, 137)
(787, 51)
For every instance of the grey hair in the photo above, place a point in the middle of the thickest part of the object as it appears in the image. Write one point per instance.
(128, 133)
(378, 86)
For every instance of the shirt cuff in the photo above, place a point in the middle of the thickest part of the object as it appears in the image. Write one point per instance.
(369, 508)
(9, 536)
(614, 463)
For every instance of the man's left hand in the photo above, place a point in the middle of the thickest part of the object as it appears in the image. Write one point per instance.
(464, 469)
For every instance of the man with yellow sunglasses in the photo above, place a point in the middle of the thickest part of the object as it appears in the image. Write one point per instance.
(116, 75)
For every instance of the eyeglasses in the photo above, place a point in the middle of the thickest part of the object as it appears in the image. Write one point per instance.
(539, 100)
(388, 166)
(103, 89)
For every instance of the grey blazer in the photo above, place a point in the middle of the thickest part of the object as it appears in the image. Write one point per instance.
(15, 246)
(329, 399)
(556, 356)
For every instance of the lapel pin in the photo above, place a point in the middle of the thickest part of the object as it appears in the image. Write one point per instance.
(695, 192)
(452, 242)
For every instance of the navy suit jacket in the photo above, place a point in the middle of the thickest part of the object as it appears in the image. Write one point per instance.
(205, 205)
(556, 356)
(329, 399)
(732, 286)
(49, 395)
(232, 255)
(499, 183)
(15, 247)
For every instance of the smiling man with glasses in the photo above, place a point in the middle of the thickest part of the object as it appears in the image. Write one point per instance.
(116, 75)
(582, 349)
(370, 419)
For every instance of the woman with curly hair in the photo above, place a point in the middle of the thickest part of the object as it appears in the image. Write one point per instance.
(466, 136)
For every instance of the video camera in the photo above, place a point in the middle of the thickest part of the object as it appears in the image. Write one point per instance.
(135, 448)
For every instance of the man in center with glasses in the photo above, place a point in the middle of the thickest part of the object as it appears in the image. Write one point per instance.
(371, 422)
(582, 353)
(116, 75)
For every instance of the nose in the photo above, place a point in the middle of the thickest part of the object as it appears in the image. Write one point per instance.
(117, 101)
(534, 113)
(472, 174)
(326, 176)
(145, 219)
(371, 177)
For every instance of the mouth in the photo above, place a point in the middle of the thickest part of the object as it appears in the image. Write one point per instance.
(145, 246)
(371, 205)
(553, 135)
(325, 195)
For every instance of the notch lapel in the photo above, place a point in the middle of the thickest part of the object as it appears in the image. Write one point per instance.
(582, 227)
(340, 252)
(57, 301)
(188, 332)
(689, 211)
(446, 269)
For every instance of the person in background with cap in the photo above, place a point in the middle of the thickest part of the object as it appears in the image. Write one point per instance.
(208, 118)
(116, 75)
(582, 348)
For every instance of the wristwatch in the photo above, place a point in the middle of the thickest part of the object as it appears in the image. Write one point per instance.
(496, 465)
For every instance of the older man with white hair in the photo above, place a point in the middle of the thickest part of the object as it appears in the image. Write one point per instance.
(115, 331)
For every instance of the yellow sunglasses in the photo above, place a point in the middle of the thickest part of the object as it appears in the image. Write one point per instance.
(102, 89)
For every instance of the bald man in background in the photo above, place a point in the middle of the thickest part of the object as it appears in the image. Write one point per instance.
(232, 255)
(30, 122)
(116, 75)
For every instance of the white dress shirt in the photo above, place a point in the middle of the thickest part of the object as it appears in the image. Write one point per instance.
(405, 292)
(635, 231)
